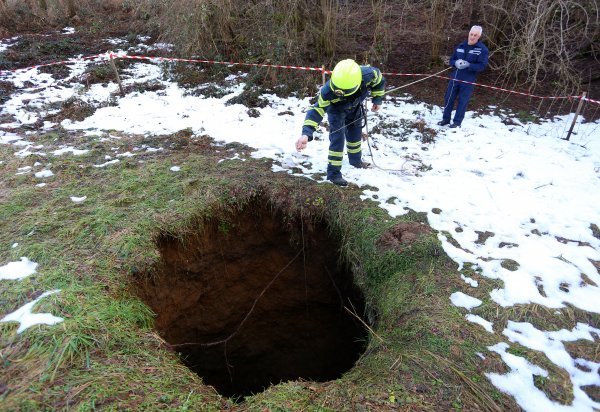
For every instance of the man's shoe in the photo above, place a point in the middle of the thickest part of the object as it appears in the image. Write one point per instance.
(338, 180)
(443, 122)
(361, 165)
(454, 126)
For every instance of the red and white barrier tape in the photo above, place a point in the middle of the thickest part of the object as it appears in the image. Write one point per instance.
(112, 55)
(587, 99)
(174, 59)
(69, 61)
(494, 87)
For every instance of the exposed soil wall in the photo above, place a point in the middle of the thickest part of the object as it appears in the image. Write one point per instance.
(208, 284)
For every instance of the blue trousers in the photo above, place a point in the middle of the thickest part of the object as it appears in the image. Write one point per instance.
(344, 126)
(461, 90)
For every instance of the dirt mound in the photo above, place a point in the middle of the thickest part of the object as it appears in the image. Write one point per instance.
(403, 234)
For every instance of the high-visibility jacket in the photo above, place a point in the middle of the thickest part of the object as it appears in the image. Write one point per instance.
(372, 82)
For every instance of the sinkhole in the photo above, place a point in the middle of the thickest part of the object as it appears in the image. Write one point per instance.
(257, 298)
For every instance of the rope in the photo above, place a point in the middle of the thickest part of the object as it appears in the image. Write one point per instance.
(224, 341)
(364, 117)
(371, 153)
(450, 94)
(388, 92)
(417, 81)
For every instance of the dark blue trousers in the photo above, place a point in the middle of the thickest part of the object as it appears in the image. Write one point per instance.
(344, 126)
(461, 90)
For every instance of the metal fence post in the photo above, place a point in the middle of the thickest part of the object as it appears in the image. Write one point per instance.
(579, 106)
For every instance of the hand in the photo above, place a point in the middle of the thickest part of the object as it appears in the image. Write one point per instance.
(301, 143)
(375, 107)
(458, 63)
(465, 64)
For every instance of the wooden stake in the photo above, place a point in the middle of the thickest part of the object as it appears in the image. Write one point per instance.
(579, 106)
(323, 74)
(114, 66)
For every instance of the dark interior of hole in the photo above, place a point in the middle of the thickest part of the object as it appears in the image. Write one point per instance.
(207, 284)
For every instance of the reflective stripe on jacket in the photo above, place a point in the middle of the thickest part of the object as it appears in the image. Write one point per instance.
(372, 81)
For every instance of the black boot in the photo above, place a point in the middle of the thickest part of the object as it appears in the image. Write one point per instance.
(443, 122)
(454, 126)
(338, 180)
(361, 165)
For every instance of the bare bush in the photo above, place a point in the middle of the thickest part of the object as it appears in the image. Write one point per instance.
(532, 40)
(381, 43)
(292, 31)
(261, 30)
(435, 26)
(28, 15)
(33, 14)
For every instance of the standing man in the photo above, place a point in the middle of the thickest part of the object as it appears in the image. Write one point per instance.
(341, 97)
(470, 57)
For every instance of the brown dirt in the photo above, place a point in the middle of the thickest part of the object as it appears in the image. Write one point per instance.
(74, 109)
(207, 283)
(6, 89)
(402, 235)
(593, 391)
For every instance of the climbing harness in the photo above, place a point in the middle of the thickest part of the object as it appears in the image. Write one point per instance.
(363, 117)
(393, 90)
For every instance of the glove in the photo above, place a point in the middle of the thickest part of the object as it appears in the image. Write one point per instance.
(462, 64)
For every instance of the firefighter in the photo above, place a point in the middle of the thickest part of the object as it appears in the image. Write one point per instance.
(341, 97)
(470, 57)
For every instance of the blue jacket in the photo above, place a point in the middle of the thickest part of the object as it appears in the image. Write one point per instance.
(372, 81)
(476, 54)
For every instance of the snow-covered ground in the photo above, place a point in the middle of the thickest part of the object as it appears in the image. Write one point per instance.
(535, 195)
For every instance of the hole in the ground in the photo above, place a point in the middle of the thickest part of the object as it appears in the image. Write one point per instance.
(247, 306)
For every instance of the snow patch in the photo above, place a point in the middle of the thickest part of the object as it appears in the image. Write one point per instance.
(75, 199)
(18, 270)
(27, 318)
(464, 301)
(480, 321)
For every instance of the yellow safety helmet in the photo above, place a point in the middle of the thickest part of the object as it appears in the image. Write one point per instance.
(345, 78)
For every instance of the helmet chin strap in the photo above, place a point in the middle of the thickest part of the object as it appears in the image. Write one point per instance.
(342, 92)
